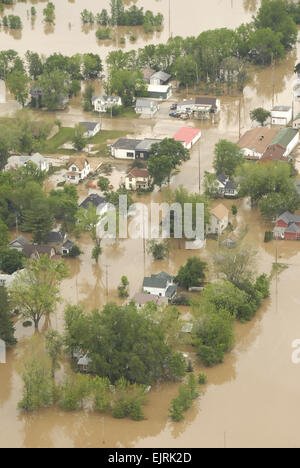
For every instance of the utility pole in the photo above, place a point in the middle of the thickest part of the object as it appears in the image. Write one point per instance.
(273, 80)
(199, 165)
(169, 19)
(106, 279)
(240, 117)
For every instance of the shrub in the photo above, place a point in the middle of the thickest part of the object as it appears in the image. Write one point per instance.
(202, 378)
(268, 236)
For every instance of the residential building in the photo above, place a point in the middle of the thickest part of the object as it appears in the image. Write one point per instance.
(91, 128)
(147, 108)
(99, 202)
(103, 103)
(296, 121)
(200, 104)
(143, 148)
(274, 153)
(281, 115)
(84, 362)
(188, 136)
(287, 227)
(162, 92)
(67, 247)
(15, 162)
(7, 280)
(219, 218)
(256, 141)
(141, 299)
(19, 243)
(161, 285)
(35, 251)
(160, 78)
(227, 187)
(147, 73)
(56, 240)
(124, 148)
(288, 138)
(78, 170)
(137, 179)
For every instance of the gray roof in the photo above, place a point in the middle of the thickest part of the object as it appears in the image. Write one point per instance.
(20, 240)
(144, 298)
(56, 236)
(106, 98)
(293, 227)
(288, 218)
(157, 281)
(145, 103)
(94, 199)
(145, 145)
(68, 244)
(162, 76)
(89, 126)
(171, 291)
(281, 108)
(126, 143)
(205, 101)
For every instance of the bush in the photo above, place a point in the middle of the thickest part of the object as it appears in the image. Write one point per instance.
(74, 252)
(268, 236)
(234, 210)
(103, 183)
(103, 34)
(202, 378)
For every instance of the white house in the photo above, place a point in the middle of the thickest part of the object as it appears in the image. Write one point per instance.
(91, 128)
(159, 78)
(227, 187)
(19, 243)
(147, 108)
(15, 162)
(161, 285)
(102, 103)
(157, 91)
(138, 178)
(255, 141)
(288, 138)
(296, 121)
(78, 169)
(188, 136)
(281, 115)
(124, 148)
(7, 280)
(219, 217)
(199, 104)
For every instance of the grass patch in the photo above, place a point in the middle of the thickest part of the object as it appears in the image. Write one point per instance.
(62, 136)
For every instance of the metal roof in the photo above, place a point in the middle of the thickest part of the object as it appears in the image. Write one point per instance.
(126, 143)
(285, 136)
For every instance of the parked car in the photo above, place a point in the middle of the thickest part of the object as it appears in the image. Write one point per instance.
(173, 114)
(184, 117)
(173, 107)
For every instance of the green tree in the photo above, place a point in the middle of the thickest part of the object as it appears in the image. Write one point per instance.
(7, 329)
(38, 220)
(11, 260)
(123, 287)
(78, 140)
(54, 345)
(192, 274)
(260, 115)
(127, 84)
(211, 185)
(35, 292)
(53, 86)
(37, 389)
(228, 156)
(18, 85)
(159, 250)
(4, 235)
(87, 221)
(236, 265)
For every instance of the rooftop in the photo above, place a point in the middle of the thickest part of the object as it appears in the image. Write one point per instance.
(282, 108)
(204, 101)
(145, 145)
(258, 139)
(143, 299)
(20, 240)
(30, 249)
(138, 172)
(126, 143)
(145, 103)
(78, 162)
(159, 281)
(56, 236)
(274, 153)
(220, 211)
(285, 136)
(162, 76)
(288, 218)
(94, 199)
(89, 126)
(187, 134)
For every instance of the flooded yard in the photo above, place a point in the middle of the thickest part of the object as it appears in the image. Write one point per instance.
(251, 400)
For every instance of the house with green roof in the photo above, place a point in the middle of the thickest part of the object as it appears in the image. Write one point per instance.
(296, 121)
(161, 285)
(288, 138)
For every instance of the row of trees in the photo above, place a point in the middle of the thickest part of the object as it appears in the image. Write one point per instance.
(218, 55)
(119, 16)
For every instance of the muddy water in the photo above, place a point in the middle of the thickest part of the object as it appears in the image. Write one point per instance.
(69, 36)
(251, 399)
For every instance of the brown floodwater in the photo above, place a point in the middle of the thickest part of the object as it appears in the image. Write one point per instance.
(251, 400)
(69, 36)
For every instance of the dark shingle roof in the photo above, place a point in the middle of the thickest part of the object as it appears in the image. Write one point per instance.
(68, 244)
(89, 126)
(157, 281)
(30, 249)
(292, 228)
(288, 218)
(145, 145)
(20, 240)
(126, 143)
(94, 199)
(56, 236)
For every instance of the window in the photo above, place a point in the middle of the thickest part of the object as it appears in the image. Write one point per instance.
(130, 155)
(74, 169)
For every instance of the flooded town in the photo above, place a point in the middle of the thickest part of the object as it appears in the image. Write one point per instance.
(116, 332)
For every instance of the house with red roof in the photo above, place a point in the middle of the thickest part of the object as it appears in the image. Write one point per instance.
(138, 178)
(188, 136)
(287, 227)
